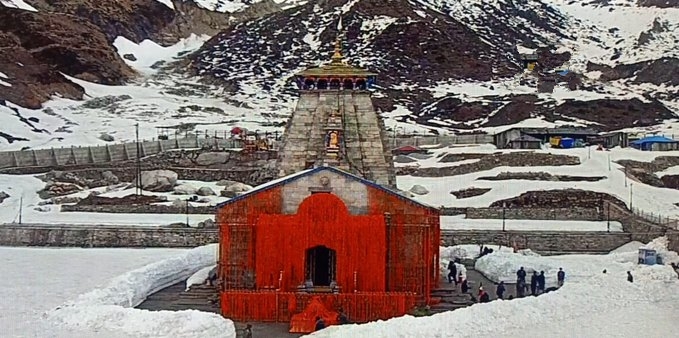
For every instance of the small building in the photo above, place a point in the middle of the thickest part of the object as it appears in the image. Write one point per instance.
(525, 142)
(322, 239)
(407, 150)
(655, 143)
(545, 135)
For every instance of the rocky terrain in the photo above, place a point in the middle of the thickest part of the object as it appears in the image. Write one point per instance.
(443, 65)
(416, 49)
(76, 38)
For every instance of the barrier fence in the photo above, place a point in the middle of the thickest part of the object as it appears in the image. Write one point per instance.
(657, 218)
(79, 155)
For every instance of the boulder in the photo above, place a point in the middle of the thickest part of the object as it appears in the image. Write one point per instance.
(212, 158)
(209, 223)
(179, 204)
(53, 189)
(130, 56)
(3, 196)
(177, 225)
(43, 208)
(419, 190)
(184, 189)
(106, 137)
(158, 180)
(205, 191)
(65, 200)
(238, 187)
(110, 178)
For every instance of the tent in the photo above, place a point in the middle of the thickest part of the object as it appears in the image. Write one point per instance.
(567, 143)
(655, 143)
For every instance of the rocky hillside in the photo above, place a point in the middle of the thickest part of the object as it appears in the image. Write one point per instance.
(41, 39)
(456, 64)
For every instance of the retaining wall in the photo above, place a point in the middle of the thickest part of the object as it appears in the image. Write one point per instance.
(540, 241)
(580, 214)
(105, 236)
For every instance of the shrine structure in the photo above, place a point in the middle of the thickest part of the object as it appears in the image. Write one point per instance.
(332, 234)
(321, 240)
(335, 124)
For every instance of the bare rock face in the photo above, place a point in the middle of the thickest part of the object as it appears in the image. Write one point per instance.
(40, 45)
(212, 158)
(158, 180)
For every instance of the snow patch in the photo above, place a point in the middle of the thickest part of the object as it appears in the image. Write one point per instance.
(20, 4)
(111, 307)
(147, 53)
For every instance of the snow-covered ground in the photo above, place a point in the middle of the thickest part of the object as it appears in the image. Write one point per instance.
(36, 280)
(111, 307)
(593, 163)
(590, 304)
(461, 223)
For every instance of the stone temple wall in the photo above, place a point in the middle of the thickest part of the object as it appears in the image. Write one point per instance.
(364, 153)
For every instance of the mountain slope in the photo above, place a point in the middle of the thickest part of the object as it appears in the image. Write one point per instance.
(456, 64)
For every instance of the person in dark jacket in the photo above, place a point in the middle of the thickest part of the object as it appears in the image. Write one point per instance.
(247, 333)
(630, 278)
(541, 282)
(320, 324)
(534, 283)
(521, 275)
(465, 286)
(560, 277)
(520, 288)
(452, 274)
(500, 291)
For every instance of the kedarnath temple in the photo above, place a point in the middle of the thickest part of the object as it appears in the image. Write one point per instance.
(331, 235)
(335, 124)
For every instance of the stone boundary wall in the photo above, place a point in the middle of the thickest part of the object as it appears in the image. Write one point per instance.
(641, 229)
(540, 241)
(129, 236)
(400, 140)
(106, 153)
(579, 214)
(128, 151)
(105, 236)
(208, 211)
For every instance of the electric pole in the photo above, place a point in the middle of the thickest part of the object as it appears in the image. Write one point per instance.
(138, 183)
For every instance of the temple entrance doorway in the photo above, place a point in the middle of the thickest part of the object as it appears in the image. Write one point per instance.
(320, 265)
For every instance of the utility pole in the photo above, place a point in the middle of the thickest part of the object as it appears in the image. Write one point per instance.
(630, 196)
(625, 176)
(609, 162)
(503, 215)
(187, 212)
(138, 183)
(608, 218)
(21, 207)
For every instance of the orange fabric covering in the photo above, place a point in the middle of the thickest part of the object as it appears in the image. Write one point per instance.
(322, 219)
(305, 321)
(272, 306)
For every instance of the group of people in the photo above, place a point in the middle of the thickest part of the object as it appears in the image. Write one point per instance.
(537, 282)
(457, 277)
(341, 320)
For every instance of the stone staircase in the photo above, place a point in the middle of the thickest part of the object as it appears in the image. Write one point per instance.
(174, 298)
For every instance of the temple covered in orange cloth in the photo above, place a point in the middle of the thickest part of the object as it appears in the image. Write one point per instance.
(322, 241)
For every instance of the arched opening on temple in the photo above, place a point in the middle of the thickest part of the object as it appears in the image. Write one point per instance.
(320, 265)
(309, 84)
(322, 84)
(361, 84)
(334, 84)
(348, 84)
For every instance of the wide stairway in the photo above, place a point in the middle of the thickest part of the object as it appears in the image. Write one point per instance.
(200, 297)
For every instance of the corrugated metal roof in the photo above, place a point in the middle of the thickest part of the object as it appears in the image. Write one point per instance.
(304, 173)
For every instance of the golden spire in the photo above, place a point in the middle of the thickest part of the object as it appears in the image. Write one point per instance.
(337, 56)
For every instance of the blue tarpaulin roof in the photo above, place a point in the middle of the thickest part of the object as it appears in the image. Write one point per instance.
(654, 139)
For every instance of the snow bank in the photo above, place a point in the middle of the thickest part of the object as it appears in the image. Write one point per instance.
(502, 266)
(111, 307)
(466, 251)
(629, 247)
(593, 305)
(199, 277)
